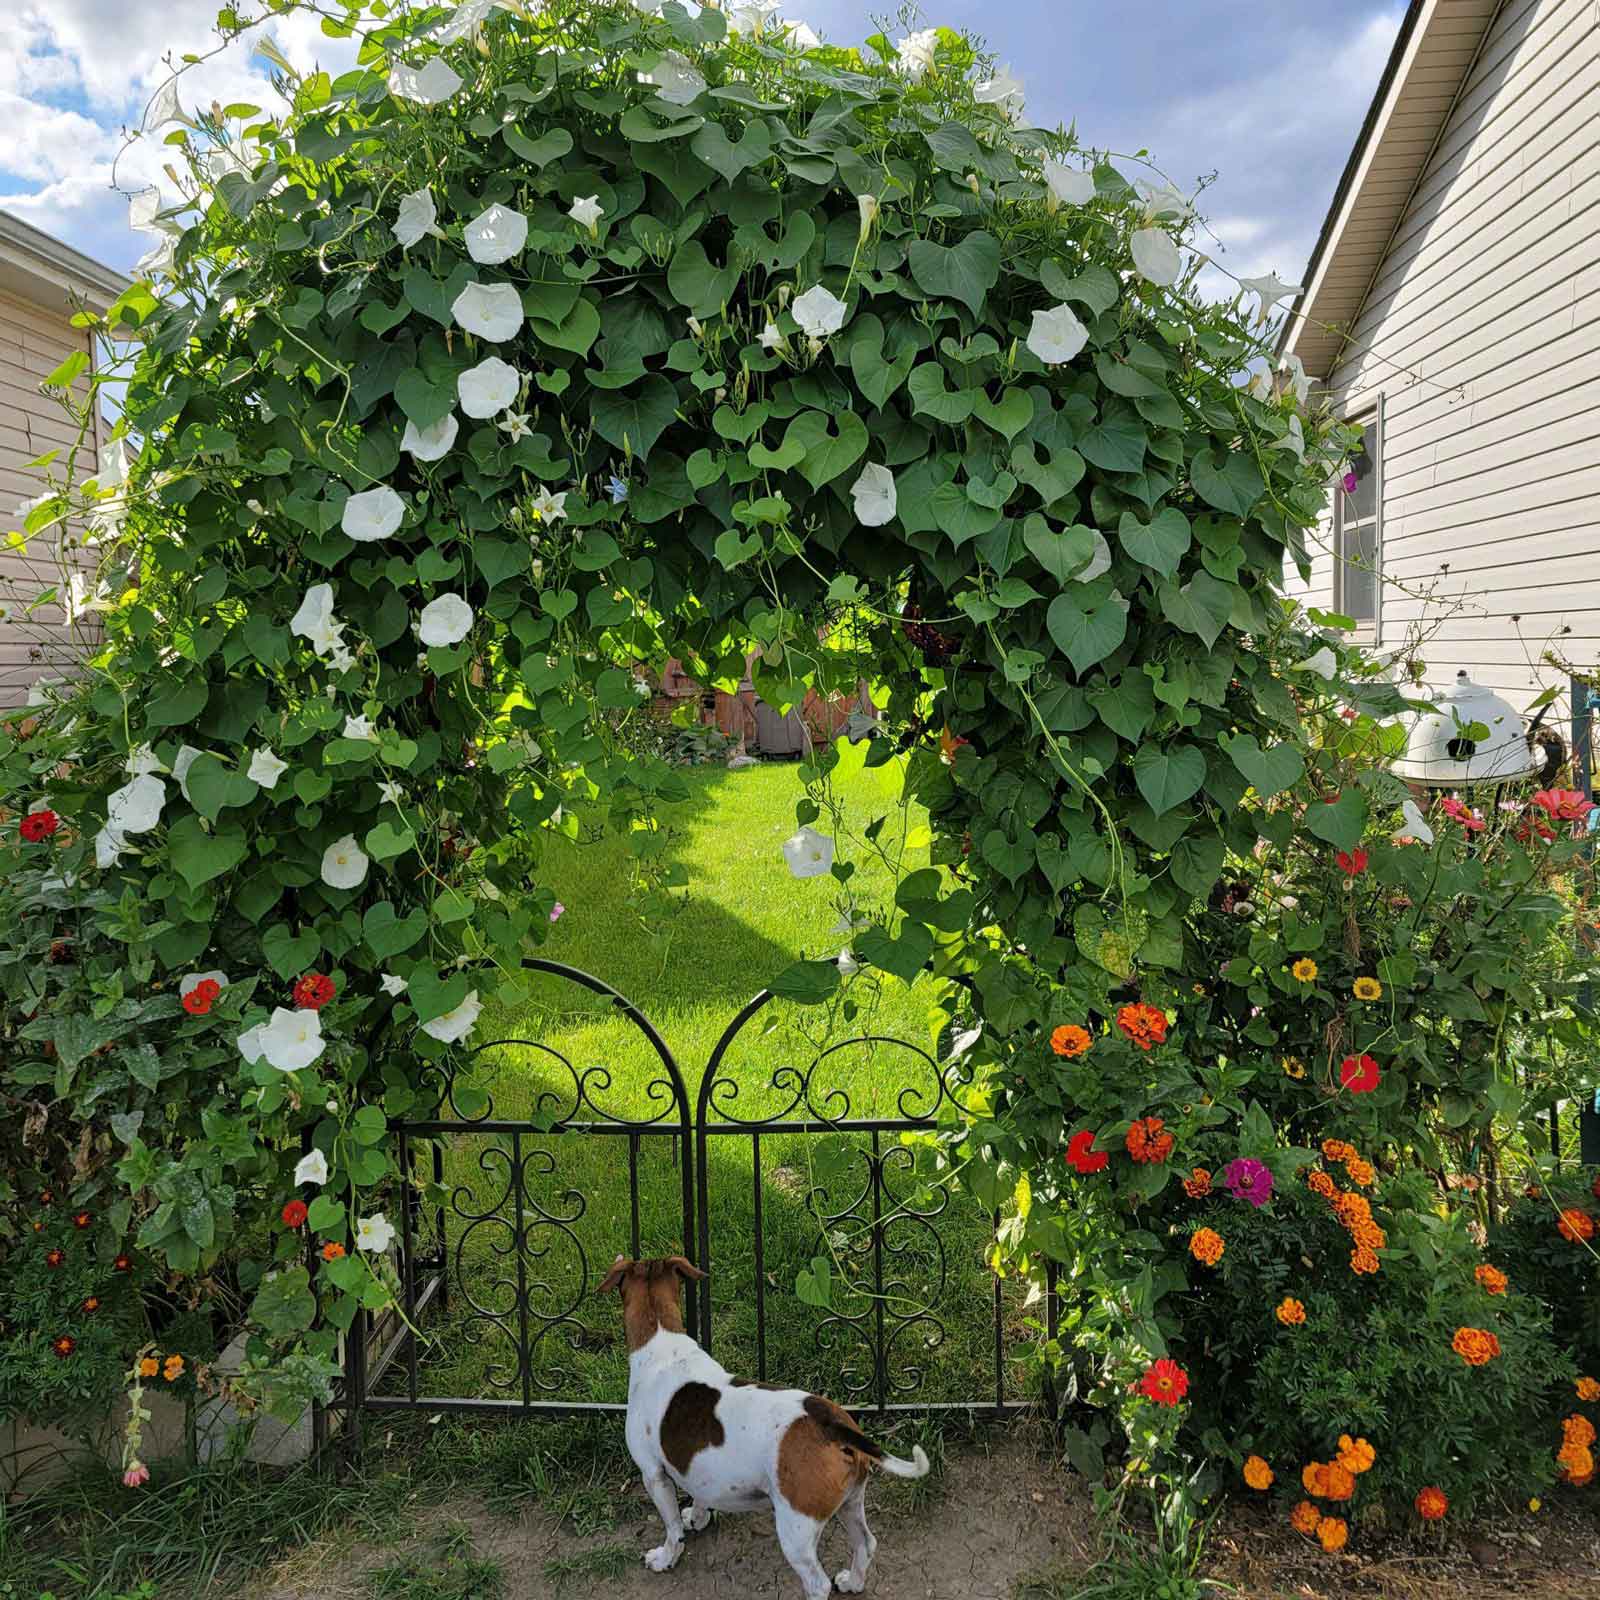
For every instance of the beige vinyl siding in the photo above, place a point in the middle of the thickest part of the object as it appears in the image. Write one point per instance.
(34, 341)
(1481, 330)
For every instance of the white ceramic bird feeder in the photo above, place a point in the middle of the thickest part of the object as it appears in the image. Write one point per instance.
(1449, 747)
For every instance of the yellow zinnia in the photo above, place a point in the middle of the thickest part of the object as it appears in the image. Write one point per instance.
(1305, 969)
(1367, 989)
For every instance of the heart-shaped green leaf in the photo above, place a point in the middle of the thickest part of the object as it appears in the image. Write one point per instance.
(289, 954)
(966, 271)
(1087, 626)
(1168, 774)
(387, 840)
(1159, 543)
(1268, 772)
(1202, 606)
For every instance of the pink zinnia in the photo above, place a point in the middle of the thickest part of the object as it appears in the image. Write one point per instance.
(1564, 805)
(557, 911)
(1468, 818)
(1248, 1179)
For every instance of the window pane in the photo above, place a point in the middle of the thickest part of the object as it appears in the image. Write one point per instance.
(1359, 574)
(1362, 504)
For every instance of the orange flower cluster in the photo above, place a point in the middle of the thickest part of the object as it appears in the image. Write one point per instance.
(1576, 1225)
(1354, 1212)
(1146, 1142)
(1291, 1312)
(1475, 1346)
(1206, 1246)
(171, 1369)
(1319, 1182)
(1355, 1455)
(1145, 1026)
(1328, 1480)
(1491, 1279)
(1431, 1504)
(1333, 1533)
(1071, 1041)
(1576, 1455)
(1304, 1518)
(1588, 1388)
(1198, 1185)
(1337, 1150)
(1257, 1474)
(1360, 1172)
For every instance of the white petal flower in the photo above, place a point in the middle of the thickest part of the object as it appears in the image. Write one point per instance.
(1068, 186)
(868, 205)
(587, 211)
(1261, 386)
(496, 235)
(312, 1167)
(809, 853)
(445, 621)
(801, 34)
(1299, 379)
(373, 514)
(392, 985)
(186, 757)
(417, 217)
(1003, 92)
(819, 312)
(514, 424)
(1166, 201)
(1057, 335)
(430, 85)
(391, 793)
(290, 1041)
(1156, 256)
(142, 761)
(108, 847)
(1322, 662)
(192, 980)
(847, 964)
(493, 311)
(548, 507)
(434, 441)
(136, 806)
(314, 620)
(144, 214)
(675, 78)
(1413, 824)
(489, 387)
(164, 108)
(249, 1043)
(344, 864)
(1099, 562)
(374, 1233)
(751, 16)
(915, 54)
(453, 1026)
(360, 728)
(1272, 289)
(1293, 438)
(874, 496)
(469, 15)
(771, 338)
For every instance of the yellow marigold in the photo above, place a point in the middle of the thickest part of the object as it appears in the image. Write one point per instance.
(1588, 1388)
(1314, 1479)
(1291, 1312)
(1355, 1455)
(1304, 1518)
(1206, 1246)
(1257, 1474)
(1491, 1278)
(1337, 1150)
(1363, 1260)
(1475, 1346)
(1305, 969)
(1367, 989)
(1320, 1183)
(1333, 1533)
(1360, 1172)
(1577, 1429)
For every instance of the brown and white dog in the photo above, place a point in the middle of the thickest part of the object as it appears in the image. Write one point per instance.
(734, 1445)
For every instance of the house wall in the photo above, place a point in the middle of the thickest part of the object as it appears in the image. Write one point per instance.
(34, 341)
(1481, 333)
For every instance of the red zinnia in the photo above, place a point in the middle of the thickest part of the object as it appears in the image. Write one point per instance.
(294, 1213)
(38, 825)
(1082, 1155)
(202, 997)
(313, 991)
(1359, 1074)
(1166, 1383)
(1352, 862)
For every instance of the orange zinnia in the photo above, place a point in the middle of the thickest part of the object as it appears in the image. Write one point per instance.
(1333, 1533)
(1147, 1143)
(1071, 1041)
(1145, 1026)
(1257, 1474)
(1431, 1504)
(1491, 1278)
(1291, 1312)
(1576, 1225)
(1355, 1455)
(1206, 1246)
(1304, 1518)
(1198, 1185)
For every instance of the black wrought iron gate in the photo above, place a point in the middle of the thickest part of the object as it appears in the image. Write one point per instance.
(510, 1223)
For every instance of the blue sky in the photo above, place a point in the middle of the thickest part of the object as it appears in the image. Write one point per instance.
(1267, 96)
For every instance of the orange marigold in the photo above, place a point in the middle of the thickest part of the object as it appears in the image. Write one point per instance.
(1304, 1518)
(1576, 1225)
(1147, 1142)
(1257, 1474)
(1071, 1041)
(1338, 1481)
(1475, 1346)
(1206, 1246)
(1491, 1278)
(1577, 1463)
(1577, 1429)
(1588, 1388)
(149, 1367)
(1145, 1026)
(1369, 1236)
(1355, 1455)
(1291, 1312)
(1431, 1504)
(1198, 1185)
(1314, 1479)
(1360, 1172)
(1351, 1208)
(1337, 1150)
(1333, 1533)
(1320, 1183)
(1363, 1261)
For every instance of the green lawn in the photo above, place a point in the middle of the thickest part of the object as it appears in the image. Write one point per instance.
(744, 918)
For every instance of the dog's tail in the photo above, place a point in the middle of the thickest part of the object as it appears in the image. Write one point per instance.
(916, 1467)
(839, 1427)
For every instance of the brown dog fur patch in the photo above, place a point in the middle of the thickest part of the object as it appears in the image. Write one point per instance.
(649, 1295)
(816, 1470)
(690, 1424)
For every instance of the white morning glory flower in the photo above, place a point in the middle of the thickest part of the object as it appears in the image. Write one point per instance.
(392, 984)
(142, 761)
(374, 1233)
(915, 54)
(108, 847)
(675, 78)
(1293, 438)
(1156, 256)
(360, 728)
(290, 1041)
(186, 757)
(1099, 562)
(1322, 662)
(314, 620)
(1272, 289)
(1299, 379)
(548, 507)
(1167, 201)
(373, 514)
(1413, 824)
(801, 34)
(587, 211)
(192, 980)
(445, 621)
(1003, 92)
(493, 311)
(819, 312)
(489, 387)
(434, 441)
(847, 964)
(391, 793)
(496, 235)
(809, 853)
(771, 338)
(469, 15)
(430, 85)
(136, 806)
(164, 108)
(312, 1167)
(874, 496)
(868, 205)
(344, 864)
(1068, 186)
(750, 17)
(417, 218)
(514, 424)
(453, 1026)
(1057, 335)
(144, 214)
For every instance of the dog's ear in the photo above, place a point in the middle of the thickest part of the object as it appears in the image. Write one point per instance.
(613, 1279)
(685, 1268)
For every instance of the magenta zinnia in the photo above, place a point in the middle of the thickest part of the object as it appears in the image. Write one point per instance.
(1248, 1179)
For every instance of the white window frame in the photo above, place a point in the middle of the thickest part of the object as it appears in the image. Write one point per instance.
(1372, 419)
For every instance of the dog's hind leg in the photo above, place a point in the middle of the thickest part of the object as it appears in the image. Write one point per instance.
(664, 1492)
(853, 1519)
(798, 1534)
(697, 1517)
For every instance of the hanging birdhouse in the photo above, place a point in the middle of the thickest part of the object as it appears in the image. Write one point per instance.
(1470, 736)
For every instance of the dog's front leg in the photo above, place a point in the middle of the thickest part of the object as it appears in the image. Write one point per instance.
(664, 1492)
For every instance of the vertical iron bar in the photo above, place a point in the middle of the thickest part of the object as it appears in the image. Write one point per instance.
(633, 1193)
(442, 1258)
(880, 1353)
(761, 1261)
(999, 1337)
(524, 1354)
(355, 1385)
(408, 1265)
(1555, 1132)
(1052, 1329)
